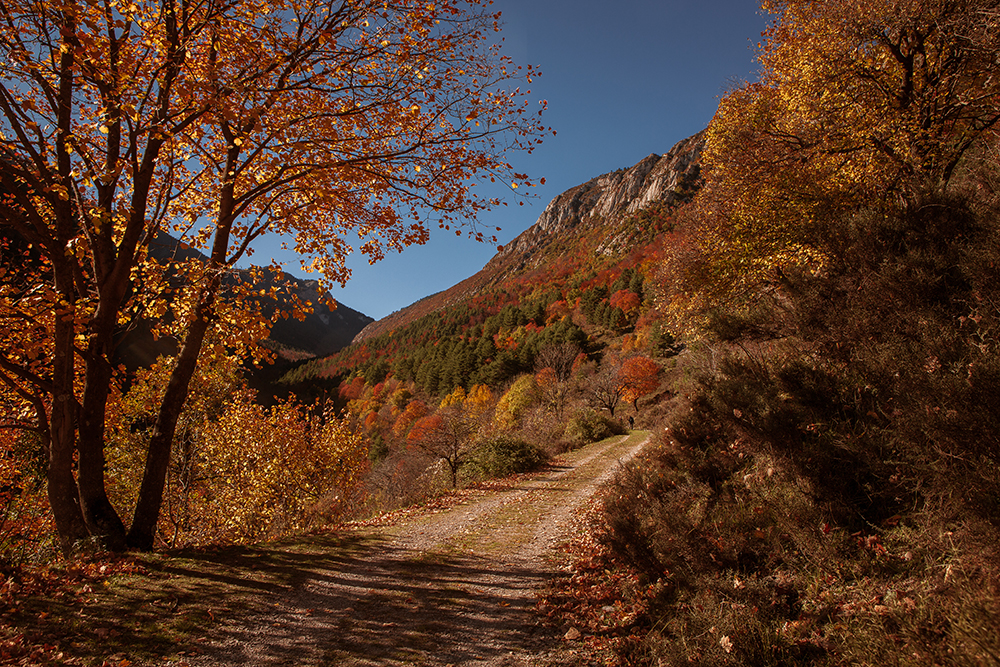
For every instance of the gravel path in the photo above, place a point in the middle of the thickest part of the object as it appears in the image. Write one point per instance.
(449, 587)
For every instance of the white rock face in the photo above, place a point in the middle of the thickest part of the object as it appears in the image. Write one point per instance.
(605, 201)
(610, 197)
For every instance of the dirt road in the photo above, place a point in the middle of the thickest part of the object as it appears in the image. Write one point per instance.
(444, 587)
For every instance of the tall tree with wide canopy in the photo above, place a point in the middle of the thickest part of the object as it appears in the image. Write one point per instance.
(870, 103)
(219, 121)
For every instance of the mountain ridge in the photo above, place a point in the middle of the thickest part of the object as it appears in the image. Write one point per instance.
(606, 203)
(322, 332)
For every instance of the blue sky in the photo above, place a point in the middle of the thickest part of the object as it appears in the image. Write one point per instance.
(623, 79)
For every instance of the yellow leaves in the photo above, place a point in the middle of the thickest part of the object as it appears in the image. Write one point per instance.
(247, 472)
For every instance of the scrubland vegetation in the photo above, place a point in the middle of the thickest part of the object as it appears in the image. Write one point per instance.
(825, 489)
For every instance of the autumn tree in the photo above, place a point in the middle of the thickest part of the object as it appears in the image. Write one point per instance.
(447, 436)
(860, 104)
(219, 122)
(558, 359)
(623, 380)
(640, 376)
(606, 389)
(515, 402)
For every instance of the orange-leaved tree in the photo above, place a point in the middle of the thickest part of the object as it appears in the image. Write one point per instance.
(640, 376)
(860, 104)
(219, 122)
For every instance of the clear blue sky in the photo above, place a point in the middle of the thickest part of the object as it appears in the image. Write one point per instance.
(623, 79)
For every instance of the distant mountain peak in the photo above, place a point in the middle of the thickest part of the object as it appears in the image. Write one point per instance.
(321, 332)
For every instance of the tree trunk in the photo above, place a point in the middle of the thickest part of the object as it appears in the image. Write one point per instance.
(142, 533)
(102, 520)
(61, 486)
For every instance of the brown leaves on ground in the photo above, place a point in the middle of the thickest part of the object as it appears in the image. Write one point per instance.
(603, 600)
(68, 586)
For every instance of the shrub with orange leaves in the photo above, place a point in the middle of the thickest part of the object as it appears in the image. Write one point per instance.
(25, 525)
(625, 300)
(238, 471)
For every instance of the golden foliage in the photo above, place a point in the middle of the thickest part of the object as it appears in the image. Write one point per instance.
(354, 125)
(239, 472)
(860, 104)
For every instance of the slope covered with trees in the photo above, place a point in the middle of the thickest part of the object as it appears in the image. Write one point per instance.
(827, 492)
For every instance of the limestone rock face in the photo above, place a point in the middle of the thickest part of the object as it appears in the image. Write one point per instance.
(609, 199)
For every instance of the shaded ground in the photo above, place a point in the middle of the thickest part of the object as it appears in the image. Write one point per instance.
(448, 585)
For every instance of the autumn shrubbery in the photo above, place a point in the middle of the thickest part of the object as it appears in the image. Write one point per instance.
(830, 490)
(750, 567)
(503, 455)
(588, 426)
(239, 472)
(26, 530)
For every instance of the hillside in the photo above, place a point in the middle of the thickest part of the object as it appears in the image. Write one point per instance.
(576, 277)
(321, 332)
(601, 217)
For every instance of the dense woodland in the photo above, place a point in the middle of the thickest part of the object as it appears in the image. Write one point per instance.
(810, 330)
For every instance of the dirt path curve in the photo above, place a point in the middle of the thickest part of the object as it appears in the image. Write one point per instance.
(453, 587)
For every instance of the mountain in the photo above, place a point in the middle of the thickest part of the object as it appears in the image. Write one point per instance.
(606, 216)
(322, 332)
(584, 275)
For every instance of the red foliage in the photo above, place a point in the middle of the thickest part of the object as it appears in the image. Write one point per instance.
(639, 376)
(627, 300)
(556, 311)
(425, 427)
(415, 409)
(351, 391)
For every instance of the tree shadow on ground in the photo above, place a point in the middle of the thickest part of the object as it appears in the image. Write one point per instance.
(317, 600)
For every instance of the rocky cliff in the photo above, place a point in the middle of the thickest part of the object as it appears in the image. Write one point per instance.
(603, 207)
(607, 202)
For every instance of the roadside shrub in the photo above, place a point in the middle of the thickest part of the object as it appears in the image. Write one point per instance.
(26, 530)
(503, 455)
(829, 492)
(589, 426)
(239, 472)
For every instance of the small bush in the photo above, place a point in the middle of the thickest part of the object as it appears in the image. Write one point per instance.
(503, 455)
(589, 426)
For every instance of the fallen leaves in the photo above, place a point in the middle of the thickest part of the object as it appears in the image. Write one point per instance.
(24, 638)
(600, 601)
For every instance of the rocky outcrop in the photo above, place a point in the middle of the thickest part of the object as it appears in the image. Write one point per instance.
(655, 179)
(609, 200)
(606, 203)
